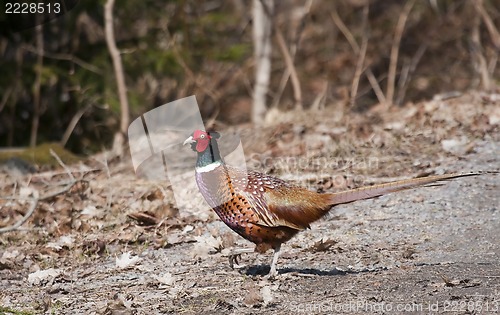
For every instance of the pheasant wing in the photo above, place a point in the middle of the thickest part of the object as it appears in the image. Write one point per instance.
(278, 203)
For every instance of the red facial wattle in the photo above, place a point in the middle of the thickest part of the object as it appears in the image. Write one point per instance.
(202, 140)
(202, 144)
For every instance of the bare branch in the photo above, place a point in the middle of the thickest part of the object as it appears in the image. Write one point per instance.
(36, 198)
(72, 124)
(407, 73)
(393, 63)
(25, 218)
(66, 57)
(478, 58)
(34, 203)
(5, 97)
(293, 51)
(58, 159)
(345, 31)
(355, 47)
(37, 85)
(494, 34)
(320, 99)
(375, 86)
(361, 57)
(120, 76)
(297, 93)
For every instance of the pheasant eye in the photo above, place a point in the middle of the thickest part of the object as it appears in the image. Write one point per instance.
(202, 137)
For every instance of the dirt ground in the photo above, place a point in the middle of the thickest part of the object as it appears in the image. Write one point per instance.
(113, 243)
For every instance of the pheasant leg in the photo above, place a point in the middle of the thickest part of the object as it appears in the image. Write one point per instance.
(273, 272)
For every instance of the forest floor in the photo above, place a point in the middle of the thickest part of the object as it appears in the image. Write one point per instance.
(109, 242)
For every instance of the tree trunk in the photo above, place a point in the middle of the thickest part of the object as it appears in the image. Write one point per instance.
(262, 51)
(120, 77)
(37, 85)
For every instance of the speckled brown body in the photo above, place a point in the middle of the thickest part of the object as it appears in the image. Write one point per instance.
(246, 203)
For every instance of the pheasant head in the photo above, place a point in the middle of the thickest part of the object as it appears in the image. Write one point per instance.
(205, 144)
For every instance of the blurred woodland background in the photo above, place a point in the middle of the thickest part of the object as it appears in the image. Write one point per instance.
(59, 82)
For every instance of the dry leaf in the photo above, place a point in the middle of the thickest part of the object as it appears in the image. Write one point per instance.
(323, 244)
(125, 260)
(90, 212)
(43, 276)
(206, 244)
(27, 192)
(455, 146)
(145, 218)
(9, 258)
(63, 241)
(266, 294)
(188, 228)
(94, 247)
(165, 278)
(253, 297)
(494, 117)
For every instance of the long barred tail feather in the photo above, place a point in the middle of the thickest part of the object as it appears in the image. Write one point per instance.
(382, 189)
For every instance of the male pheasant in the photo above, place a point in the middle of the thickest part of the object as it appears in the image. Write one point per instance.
(266, 210)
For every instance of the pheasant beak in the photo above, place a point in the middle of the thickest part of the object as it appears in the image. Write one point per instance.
(189, 140)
